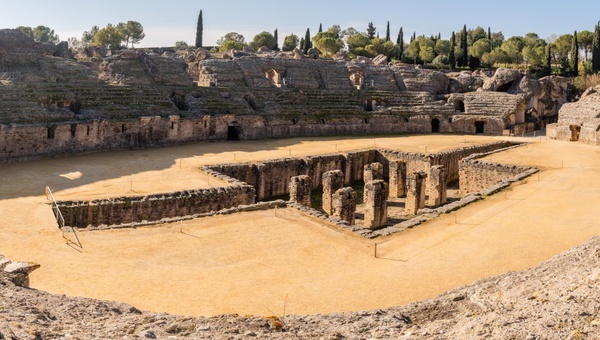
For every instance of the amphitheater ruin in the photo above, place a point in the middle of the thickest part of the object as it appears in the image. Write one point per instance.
(199, 184)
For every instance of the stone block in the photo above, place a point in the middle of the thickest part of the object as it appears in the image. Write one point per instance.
(343, 204)
(332, 181)
(375, 204)
(415, 192)
(300, 189)
(397, 186)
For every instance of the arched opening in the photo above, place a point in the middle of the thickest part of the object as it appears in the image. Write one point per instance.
(575, 131)
(322, 121)
(368, 104)
(479, 127)
(505, 87)
(459, 105)
(179, 101)
(366, 120)
(73, 130)
(435, 125)
(50, 131)
(356, 78)
(294, 121)
(274, 77)
(233, 131)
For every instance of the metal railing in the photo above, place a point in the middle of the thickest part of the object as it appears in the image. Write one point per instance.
(60, 220)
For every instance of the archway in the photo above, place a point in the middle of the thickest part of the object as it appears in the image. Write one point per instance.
(459, 105)
(505, 87)
(575, 131)
(479, 127)
(435, 125)
(233, 131)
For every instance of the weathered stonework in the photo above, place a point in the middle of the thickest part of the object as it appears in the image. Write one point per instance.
(415, 194)
(375, 204)
(343, 204)
(397, 175)
(372, 172)
(300, 189)
(332, 182)
(437, 192)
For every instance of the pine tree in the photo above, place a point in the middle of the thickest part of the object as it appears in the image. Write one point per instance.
(574, 65)
(276, 35)
(371, 31)
(596, 50)
(307, 43)
(465, 48)
(320, 28)
(400, 42)
(451, 56)
(387, 32)
(199, 30)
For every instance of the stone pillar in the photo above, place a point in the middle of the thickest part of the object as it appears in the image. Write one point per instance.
(397, 179)
(300, 188)
(375, 204)
(372, 172)
(332, 181)
(437, 186)
(343, 204)
(415, 192)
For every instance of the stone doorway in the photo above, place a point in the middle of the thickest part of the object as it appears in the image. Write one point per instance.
(233, 131)
(435, 125)
(479, 127)
(575, 131)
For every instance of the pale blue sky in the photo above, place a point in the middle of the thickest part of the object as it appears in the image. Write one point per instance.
(168, 21)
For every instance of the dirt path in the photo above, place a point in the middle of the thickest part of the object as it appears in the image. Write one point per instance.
(254, 263)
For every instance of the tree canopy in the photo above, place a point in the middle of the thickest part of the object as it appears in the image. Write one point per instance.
(231, 41)
(263, 39)
(114, 36)
(40, 33)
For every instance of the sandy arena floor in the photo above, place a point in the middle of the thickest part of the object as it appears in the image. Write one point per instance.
(255, 263)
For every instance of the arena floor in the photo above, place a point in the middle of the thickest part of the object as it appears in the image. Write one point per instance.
(259, 262)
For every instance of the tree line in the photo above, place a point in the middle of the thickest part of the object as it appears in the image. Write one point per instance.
(566, 55)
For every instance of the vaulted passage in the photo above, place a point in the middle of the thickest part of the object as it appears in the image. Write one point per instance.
(233, 131)
(479, 127)
(459, 105)
(435, 125)
(505, 87)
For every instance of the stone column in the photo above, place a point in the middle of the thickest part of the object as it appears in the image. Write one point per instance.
(375, 204)
(437, 186)
(343, 204)
(372, 172)
(397, 179)
(415, 192)
(300, 188)
(332, 181)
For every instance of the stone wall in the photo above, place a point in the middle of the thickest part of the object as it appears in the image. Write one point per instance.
(143, 209)
(271, 178)
(477, 175)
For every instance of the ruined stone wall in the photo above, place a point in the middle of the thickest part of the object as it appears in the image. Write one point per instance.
(271, 178)
(477, 175)
(127, 210)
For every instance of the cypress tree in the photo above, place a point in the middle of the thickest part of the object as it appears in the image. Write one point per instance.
(307, 42)
(400, 42)
(320, 28)
(414, 36)
(464, 46)
(548, 66)
(302, 44)
(490, 39)
(574, 65)
(451, 57)
(199, 30)
(276, 35)
(387, 32)
(596, 49)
